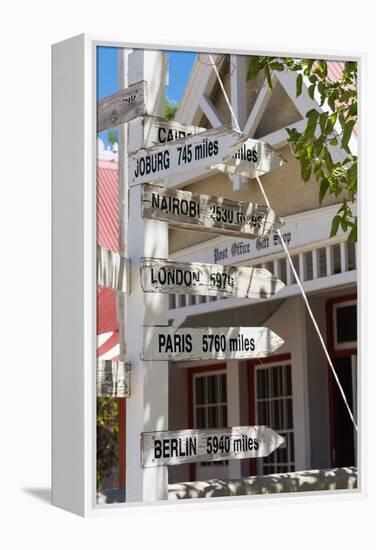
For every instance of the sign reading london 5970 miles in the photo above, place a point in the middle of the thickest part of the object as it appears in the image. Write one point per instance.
(207, 279)
(196, 151)
(198, 212)
(187, 344)
(184, 446)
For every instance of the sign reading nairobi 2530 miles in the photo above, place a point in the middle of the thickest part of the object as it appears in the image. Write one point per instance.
(184, 446)
(196, 151)
(194, 211)
(207, 279)
(187, 344)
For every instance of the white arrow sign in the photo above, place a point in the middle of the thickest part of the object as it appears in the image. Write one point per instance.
(196, 151)
(188, 344)
(196, 212)
(159, 131)
(121, 107)
(207, 279)
(113, 378)
(183, 446)
(253, 158)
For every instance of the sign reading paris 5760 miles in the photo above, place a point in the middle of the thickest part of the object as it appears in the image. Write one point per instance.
(184, 446)
(187, 344)
(196, 151)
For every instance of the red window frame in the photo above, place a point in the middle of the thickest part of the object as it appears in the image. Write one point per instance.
(334, 353)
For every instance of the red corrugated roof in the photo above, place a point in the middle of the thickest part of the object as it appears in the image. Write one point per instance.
(108, 237)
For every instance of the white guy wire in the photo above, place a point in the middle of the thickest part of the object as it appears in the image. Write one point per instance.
(290, 259)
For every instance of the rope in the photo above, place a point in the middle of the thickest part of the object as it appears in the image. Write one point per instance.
(317, 329)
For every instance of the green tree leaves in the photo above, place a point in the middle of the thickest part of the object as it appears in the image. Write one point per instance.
(327, 126)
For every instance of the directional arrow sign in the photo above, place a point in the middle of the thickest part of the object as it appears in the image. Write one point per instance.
(253, 158)
(193, 211)
(113, 270)
(186, 344)
(121, 107)
(197, 151)
(207, 279)
(113, 378)
(183, 446)
(159, 131)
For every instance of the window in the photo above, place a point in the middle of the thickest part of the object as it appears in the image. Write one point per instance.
(344, 329)
(273, 404)
(210, 402)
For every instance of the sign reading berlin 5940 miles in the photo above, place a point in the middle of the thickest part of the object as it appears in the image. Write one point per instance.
(196, 151)
(197, 212)
(183, 446)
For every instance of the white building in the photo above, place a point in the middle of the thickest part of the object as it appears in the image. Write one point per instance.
(292, 391)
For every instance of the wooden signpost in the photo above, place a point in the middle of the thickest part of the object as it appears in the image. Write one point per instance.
(197, 212)
(188, 344)
(207, 279)
(121, 107)
(195, 151)
(253, 158)
(159, 131)
(188, 446)
(113, 270)
(113, 379)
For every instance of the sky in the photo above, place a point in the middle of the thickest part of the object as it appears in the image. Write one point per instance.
(179, 63)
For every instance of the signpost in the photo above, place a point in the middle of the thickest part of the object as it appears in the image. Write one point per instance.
(159, 131)
(187, 446)
(188, 344)
(253, 158)
(196, 151)
(196, 212)
(113, 379)
(122, 106)
(207, 279)
(113, 270)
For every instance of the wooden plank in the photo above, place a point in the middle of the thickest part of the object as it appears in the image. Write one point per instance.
(186, 344)
(196, 151)
(113, 270)
(159, 275)
(121, 107)
(194, 211)
(159, 131)
(253, 158)
(188, 446)
(113, 379)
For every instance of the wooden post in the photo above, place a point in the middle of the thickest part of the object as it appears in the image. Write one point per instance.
(238, 71)
(123, 230)
(147, 409)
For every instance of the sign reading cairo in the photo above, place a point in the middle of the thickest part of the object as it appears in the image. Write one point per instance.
(253, 158)
(184, 446)
(194, 211)
(196, 151)
(207, 279)
(187, 344)
(121, 107)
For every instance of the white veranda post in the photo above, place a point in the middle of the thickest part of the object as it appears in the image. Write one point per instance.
(147, 408)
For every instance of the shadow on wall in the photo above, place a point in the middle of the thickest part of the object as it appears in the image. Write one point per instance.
(311, 480)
